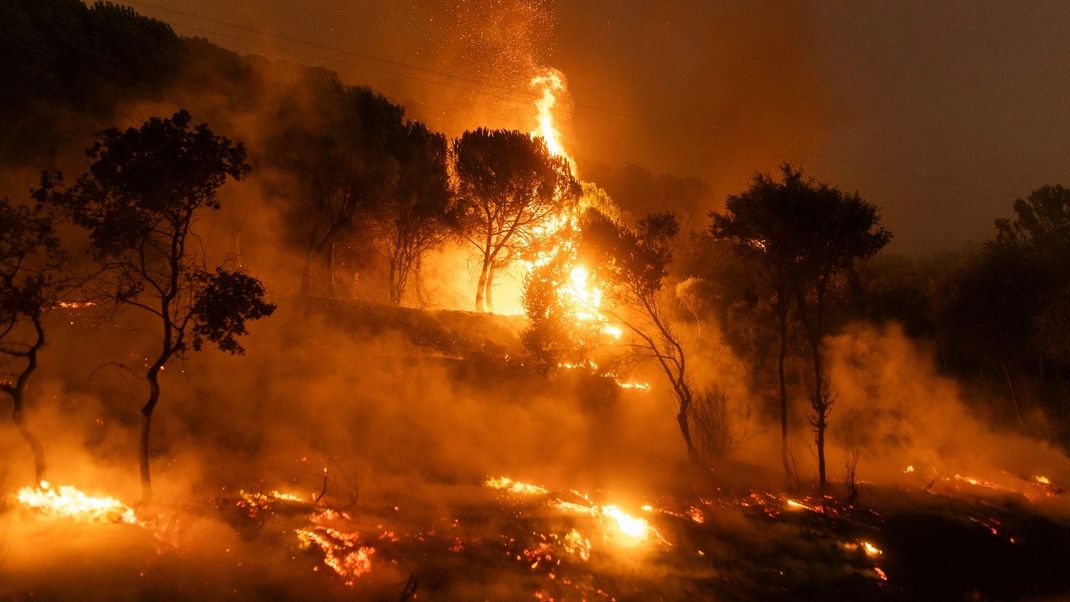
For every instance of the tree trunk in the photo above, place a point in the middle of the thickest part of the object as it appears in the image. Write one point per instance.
(146, 425)
(35, 445)
(685, 430)
(784, 396)
(306, 270)
(821, 401)
(820, 440)
(481, 287)
(331, 291)
(1014, 395)
(490, 288)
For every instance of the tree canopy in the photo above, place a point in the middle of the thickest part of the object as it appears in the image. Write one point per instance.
(509, 185)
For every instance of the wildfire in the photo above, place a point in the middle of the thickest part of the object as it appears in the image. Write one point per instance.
(69, 502)
(507, 484)
(342, 551)
(549, 84)
(871, 550)
(74, 304)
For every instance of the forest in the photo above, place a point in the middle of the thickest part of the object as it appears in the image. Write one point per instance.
(265, 336)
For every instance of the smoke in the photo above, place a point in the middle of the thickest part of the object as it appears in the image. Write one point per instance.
(896, 411)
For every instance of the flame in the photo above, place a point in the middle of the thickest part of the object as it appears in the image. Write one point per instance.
(342, 550)
(75, 304)
(69, 502)
(507, 484)
(577, 545)
(549, 84)
(632, 526)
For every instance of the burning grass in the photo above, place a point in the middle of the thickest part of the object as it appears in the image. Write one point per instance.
(511, 539)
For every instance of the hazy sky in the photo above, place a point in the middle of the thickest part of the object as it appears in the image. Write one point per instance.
(940, 112)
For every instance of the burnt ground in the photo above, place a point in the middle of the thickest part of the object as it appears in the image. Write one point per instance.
(450, 537)
(501, 545)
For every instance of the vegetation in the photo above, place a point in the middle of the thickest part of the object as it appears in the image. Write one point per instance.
(143, 192)
(510, 185)
(33, 276)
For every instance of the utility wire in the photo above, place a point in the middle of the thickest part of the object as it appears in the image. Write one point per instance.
(521, 97)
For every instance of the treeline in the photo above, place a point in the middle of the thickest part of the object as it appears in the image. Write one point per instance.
(997, 315)
(360, 187)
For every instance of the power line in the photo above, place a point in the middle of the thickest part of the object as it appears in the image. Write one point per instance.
(509, 95)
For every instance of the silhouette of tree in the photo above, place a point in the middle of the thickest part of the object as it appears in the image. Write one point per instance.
(1006, 306)
(32, 280)
(761, 221)
(805, 235)
(509, 185)
(633, 264)
(144, 191)
(60, 56)
(339, 142)
(418, 215)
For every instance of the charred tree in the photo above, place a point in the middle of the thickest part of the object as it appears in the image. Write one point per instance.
(143, 192)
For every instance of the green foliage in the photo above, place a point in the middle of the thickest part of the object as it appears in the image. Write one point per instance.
(634, 261)
(145, 183)
(31, 263)
(224, 302)
(508, 186)
(138, 201)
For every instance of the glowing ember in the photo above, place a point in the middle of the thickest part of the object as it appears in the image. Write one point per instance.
(577, 545)
(507, 484)
(796, 505)
(75, 304)
(342, 551)
(633, 385)
(254, 502)
(69, 502)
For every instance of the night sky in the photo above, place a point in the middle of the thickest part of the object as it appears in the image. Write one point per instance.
(940, 112)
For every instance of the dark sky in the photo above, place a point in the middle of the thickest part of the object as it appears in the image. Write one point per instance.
(940, 112)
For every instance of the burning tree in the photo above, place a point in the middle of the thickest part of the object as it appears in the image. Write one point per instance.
(31, 281)
(633, 263)
(139, 201)
(512, 188)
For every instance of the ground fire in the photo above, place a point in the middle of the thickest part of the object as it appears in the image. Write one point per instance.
(720, 345)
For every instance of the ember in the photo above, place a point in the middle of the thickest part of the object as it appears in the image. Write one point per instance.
(343, 551)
